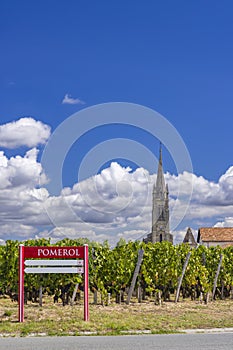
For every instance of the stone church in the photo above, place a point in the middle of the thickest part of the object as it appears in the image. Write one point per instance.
(160, 230)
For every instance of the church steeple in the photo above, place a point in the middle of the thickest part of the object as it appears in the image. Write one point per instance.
(160, 207)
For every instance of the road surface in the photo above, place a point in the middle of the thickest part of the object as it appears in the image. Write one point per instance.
(221, 341)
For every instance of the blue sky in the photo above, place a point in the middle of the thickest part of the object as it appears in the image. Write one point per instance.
(175, 57)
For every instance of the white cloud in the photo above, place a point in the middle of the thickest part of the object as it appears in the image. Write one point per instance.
(227, 222)
(206, 193)
(21, 206)
(60, 232)
(21, 171)
(23, 132)
(72, 101)
(113, 204)
(98, 212)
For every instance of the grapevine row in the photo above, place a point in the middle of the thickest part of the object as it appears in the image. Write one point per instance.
(111, 270)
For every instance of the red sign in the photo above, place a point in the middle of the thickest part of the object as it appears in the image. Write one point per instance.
(54, 252)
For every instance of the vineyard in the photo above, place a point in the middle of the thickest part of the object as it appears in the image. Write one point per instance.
(200, 273)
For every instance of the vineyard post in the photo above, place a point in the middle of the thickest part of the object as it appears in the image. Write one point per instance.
(135, 275)
(74, 294)
(216, 276)
(139, 293)
(109, 299)
(182, 276)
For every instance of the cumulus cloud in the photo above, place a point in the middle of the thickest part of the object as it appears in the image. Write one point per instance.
(113, 204)
(23, 132)
(119, 202)
(21, 171)
(60, 232)
(21, 206)
(205, 192)
(68, 100)
(211, 203)
(106, 202)
(99, 208)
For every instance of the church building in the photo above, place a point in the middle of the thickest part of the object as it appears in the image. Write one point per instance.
(160, 230)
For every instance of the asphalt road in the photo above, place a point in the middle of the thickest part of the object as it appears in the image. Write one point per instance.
(222, 341)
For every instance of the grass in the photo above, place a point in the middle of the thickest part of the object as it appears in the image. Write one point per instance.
(114, 319)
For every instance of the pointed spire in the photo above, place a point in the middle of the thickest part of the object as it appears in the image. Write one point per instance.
(160, 182)
(160, 153)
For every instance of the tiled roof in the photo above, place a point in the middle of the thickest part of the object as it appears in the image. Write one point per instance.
(215, 234)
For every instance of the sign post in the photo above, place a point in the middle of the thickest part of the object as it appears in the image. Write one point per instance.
(70, 265)
(21, 283)
(86, 284)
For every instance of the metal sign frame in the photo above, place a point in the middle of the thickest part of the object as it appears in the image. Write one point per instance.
(70, 265)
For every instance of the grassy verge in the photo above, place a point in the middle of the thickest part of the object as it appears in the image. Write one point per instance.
(114, 319)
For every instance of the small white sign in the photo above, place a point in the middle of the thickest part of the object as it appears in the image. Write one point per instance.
(54, 262)
(54, 270)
